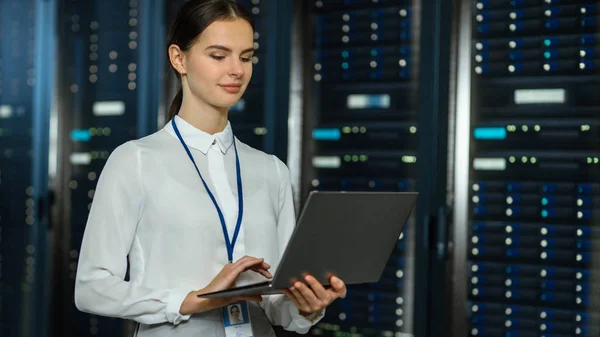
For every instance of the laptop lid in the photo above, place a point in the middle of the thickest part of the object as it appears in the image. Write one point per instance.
(347, 234)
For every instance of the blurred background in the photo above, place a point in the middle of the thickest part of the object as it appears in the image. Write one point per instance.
(490, 109)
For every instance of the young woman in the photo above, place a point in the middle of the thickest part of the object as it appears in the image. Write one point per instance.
(194, 209)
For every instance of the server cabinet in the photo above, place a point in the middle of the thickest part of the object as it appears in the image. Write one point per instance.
(362, 110)
(107, 95)
(529, 198)
(26, 58)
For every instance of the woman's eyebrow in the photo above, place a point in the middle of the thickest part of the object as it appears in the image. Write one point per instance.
(223, 48)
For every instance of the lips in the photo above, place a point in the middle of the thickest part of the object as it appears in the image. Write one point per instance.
(231, 88)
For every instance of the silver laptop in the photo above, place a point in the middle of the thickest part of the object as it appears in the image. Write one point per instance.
(350, 235)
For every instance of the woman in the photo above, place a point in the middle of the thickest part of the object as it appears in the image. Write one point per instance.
(193, 208)
(235, 314)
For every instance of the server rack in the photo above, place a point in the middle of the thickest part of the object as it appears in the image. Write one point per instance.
(362, 110)
(25, 82)
(529, 197)
(106, 96)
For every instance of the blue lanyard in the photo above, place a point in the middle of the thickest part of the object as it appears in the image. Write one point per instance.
(230, 245)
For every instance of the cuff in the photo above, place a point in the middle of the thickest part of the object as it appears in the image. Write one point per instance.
(174, 303)
(305, 322)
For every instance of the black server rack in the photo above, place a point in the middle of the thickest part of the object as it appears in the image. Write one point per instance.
(534, 168)
(364, 95)
(103, 81)
(16, 119)
(25, 28)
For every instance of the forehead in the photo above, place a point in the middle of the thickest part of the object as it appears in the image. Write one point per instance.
(235, 34)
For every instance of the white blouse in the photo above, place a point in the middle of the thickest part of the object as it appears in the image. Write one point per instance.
(151, 206)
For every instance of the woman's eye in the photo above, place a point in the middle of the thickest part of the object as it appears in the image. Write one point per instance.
(246, 59)
(217, 57)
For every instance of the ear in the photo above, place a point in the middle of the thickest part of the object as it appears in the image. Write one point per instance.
(177, 58)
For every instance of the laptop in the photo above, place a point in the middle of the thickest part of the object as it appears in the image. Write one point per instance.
(350, 235)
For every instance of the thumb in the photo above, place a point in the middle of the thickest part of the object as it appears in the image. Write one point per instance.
(337, 283)
(339, 286)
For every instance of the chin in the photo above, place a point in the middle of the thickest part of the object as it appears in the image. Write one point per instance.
(227, 102)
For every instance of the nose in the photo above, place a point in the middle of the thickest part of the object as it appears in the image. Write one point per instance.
(236, 68)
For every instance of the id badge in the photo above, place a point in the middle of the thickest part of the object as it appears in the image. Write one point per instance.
(236, 319)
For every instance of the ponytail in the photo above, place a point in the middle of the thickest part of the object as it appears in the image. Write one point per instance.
(176, 104)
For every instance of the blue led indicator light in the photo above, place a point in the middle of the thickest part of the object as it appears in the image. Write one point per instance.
(490, 133)
(327, 134)
(79, 135)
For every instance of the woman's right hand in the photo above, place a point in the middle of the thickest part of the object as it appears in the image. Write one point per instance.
(224, 280)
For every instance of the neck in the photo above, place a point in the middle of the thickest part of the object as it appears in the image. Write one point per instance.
(203, 117)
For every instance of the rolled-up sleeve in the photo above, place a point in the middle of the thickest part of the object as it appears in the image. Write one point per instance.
(279, 309)
(116, 210)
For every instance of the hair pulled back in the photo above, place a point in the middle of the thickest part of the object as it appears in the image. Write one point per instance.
(191, 20)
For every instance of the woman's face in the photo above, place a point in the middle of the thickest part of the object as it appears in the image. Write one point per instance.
(235, 311)
(219, 65)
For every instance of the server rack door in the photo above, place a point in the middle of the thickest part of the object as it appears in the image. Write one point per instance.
(534, 167)
(99, 100)
(25, 84)
(363, 94)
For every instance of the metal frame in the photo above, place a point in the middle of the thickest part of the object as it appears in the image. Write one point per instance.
(432, 221)
(277, 77)
(45, 34)
(298, 101)
(60, 234)
(151, 69)
(303, 17)
(460, 244)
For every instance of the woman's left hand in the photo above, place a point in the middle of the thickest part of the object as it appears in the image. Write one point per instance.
(314, 297)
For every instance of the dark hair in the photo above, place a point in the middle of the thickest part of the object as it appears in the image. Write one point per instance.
(191, 20)
(233, 307)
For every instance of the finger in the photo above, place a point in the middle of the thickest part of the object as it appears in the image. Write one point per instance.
(317, 288)
(244, 258)
(338, 287)
(338, 284)
(246, 263)
(303, 303)
(233, 270)
(247, 259)
(263, 265)
(313, 302)
(292, 297)
(263, 272)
